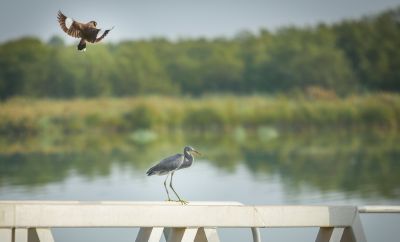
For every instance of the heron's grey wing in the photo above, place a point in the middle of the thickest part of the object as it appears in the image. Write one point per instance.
(186, 163)
(166, 165)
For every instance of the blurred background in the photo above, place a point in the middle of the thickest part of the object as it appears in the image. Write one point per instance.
(295, 102)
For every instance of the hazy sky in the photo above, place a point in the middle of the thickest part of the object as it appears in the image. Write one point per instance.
(135, 19)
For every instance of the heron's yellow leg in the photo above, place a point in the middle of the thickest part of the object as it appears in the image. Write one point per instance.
(183, 202)
(165, 185)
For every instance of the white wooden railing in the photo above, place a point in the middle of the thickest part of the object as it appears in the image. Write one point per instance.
(31, 221)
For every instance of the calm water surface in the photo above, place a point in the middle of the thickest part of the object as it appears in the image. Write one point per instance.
(258, 168)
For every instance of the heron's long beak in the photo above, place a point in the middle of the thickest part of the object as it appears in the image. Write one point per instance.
(195, 151)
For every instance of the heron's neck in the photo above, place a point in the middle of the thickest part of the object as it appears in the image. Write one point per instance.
(188, 156)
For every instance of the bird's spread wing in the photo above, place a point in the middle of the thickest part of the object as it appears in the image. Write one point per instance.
(69, 26)
(103, 35)
(166, 165)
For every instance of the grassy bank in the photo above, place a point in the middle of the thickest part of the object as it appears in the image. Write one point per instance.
(24, 117)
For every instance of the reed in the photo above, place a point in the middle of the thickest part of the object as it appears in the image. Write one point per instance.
(27, 117)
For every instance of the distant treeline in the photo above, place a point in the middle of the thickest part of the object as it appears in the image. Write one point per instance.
(346, 57)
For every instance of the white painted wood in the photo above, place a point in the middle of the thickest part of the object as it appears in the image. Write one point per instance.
(207, 235)
(182, 235)
(158, 215)
(379, 209)
(203, 215)
(5, 235)
(337, 235)
(7, 214)
(149, 234)
(357, 229)
(21, 235)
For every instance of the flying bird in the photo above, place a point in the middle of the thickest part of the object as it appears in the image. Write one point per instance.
(171, 164)
(86, 32)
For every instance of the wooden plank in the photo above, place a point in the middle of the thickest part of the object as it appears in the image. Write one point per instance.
(149, 234)
(158, 215)
(182, 235)
(6, 235)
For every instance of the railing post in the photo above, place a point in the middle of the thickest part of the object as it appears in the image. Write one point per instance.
(330, 234)
(256, 234)
(354, 233)
(182, 235)
(6, 235)
(149, 234)
(206, 235)
(40, 235)
(21, 235)
(195, 234)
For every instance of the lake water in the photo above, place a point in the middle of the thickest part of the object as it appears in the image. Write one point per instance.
(261, 167)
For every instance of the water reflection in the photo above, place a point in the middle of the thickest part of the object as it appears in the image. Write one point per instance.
(364, 165)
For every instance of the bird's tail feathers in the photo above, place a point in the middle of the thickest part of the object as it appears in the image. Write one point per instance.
(82, 45)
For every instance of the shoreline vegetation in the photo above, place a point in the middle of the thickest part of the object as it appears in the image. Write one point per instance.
(22, 117)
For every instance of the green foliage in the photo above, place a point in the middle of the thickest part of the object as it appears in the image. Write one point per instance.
(142, 117)
(344, 58)
(301, 59)
(372, 46)
(264, 115)
(205, 118)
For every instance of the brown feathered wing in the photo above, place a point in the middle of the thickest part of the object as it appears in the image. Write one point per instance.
(104, 34)
(75, 30)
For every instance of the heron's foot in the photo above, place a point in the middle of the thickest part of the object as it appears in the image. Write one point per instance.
(169, 200)
(183, 202)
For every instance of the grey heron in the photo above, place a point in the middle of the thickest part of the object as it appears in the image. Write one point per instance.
(171, 164)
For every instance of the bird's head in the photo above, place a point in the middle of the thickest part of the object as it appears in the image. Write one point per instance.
(94, 23)
(190, 149)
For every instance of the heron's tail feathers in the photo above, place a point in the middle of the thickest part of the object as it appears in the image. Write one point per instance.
(150, 172)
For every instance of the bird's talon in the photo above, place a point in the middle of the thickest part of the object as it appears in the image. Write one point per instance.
(183, 202)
